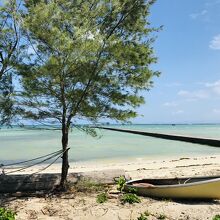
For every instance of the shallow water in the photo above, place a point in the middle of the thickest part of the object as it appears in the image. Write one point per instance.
(19, 144)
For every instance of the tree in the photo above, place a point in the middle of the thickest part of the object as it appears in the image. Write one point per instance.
(92, 60)
(10, 51)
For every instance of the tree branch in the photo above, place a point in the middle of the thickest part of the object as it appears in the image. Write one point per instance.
(121, 20)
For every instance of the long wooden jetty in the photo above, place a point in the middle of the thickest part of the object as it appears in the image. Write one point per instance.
(174, 137)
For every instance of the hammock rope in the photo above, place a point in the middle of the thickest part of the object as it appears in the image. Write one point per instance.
(56, 155)
(26, 161)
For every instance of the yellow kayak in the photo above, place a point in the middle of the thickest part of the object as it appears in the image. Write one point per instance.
(180, 188)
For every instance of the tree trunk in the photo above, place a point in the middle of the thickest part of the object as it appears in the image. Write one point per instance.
(65, 161)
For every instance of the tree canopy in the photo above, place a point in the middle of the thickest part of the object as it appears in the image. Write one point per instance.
(10, 53)
(92, 59)
(85, 60)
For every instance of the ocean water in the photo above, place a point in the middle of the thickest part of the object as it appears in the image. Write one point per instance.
(19, 144)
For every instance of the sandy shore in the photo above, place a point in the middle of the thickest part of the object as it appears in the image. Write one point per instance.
(141, 167)
(84, 206)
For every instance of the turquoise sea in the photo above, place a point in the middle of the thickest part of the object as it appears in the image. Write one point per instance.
(18, 144)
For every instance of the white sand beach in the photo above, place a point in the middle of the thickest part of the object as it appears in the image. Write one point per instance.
(83, 206)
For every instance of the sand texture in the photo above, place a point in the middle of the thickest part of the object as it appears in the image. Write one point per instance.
(83, 206)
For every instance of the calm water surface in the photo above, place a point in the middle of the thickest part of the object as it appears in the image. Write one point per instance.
(20, 144)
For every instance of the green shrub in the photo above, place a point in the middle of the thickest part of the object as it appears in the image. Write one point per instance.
(6, 214)
(101, 198)
(142, 217)
(121, 183)
(130, 198)
(161, 216)
(146, 213)
(132, 190)
(216, 217)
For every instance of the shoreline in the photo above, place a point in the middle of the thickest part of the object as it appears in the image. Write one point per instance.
(142, 167)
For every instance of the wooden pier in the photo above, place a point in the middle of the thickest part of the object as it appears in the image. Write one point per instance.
(174, 137)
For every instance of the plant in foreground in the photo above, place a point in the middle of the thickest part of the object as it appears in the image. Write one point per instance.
(216, 217)
(101, 198)
(130, 198)
(121, 183)
(161, 216)
(132, 190)
(6, 214)
(142, 217)
(146, 213)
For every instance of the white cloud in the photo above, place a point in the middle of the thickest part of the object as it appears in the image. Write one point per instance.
(215, 87)
(198, 14)
(178, 112)
(215, 43)
(170, 104)
(183, 93)
(216, 111)
(208, 90)
(194, 95)
(173, 84)
(212, 3)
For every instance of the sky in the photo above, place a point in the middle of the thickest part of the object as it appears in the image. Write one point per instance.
(188, 51)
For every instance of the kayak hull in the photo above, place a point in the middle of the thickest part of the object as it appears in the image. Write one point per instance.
(182, 188)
